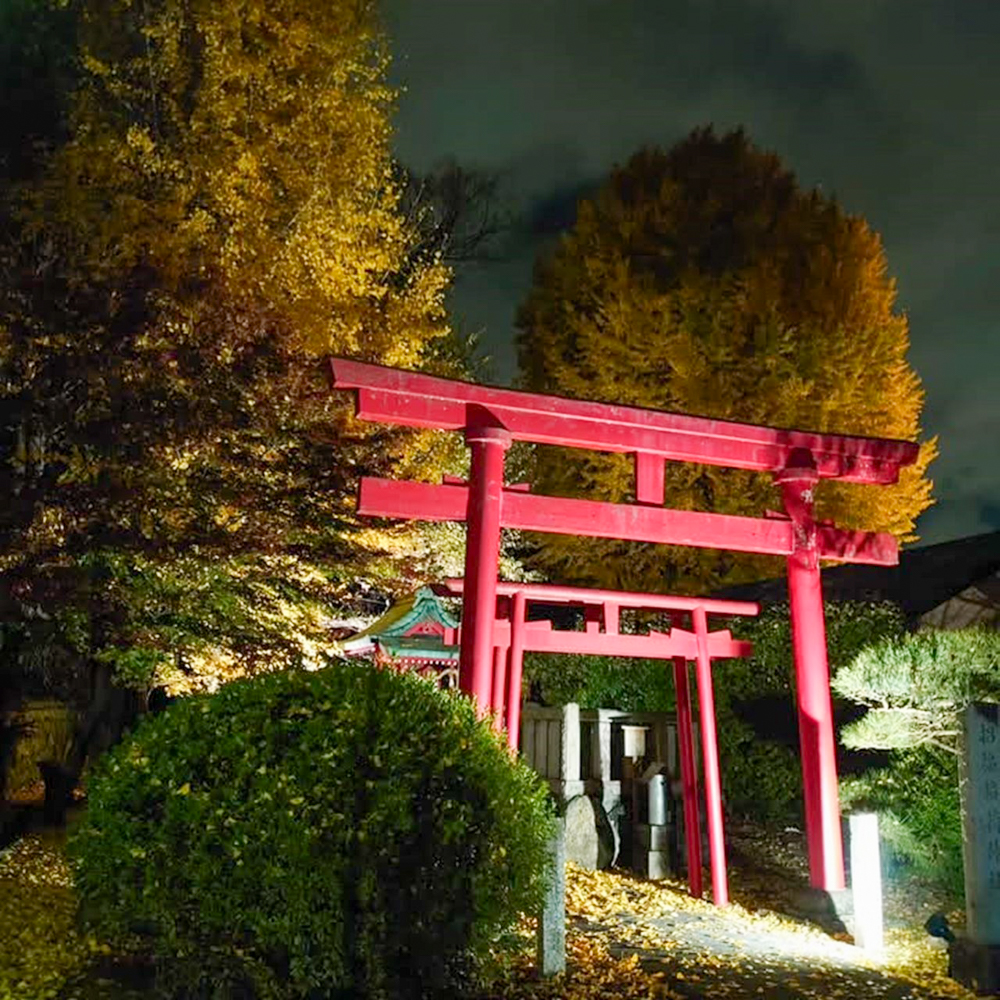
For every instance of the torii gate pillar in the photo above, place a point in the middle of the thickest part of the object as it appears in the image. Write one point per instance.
(812, 680)
(487, 443)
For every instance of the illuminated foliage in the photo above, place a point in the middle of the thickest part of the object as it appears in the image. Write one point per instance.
(916, 687)
(626, 937)
(243, 147)
(704, 280)
(223, 214)
(42, 945)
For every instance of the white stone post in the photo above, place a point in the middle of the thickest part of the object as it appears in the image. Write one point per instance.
(866, 882)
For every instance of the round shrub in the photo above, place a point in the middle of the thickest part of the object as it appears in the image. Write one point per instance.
(351, 831)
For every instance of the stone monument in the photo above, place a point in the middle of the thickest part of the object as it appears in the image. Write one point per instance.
(975, 957)
(550, 940)
(589, 840)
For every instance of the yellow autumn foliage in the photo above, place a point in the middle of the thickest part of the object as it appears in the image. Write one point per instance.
(703, 280)
(223, 215)
(626, 937)
(244, 146)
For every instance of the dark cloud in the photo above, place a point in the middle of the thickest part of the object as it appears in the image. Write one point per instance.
(556, 212)
(889, 105)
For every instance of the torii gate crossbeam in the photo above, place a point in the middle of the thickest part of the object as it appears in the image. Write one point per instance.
(411, 399)
(491, 418)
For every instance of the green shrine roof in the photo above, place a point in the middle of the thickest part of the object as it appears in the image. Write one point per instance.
(412, 628)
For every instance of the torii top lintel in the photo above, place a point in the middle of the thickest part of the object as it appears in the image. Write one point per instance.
(594, 596)
(602, 636)
(391, 395)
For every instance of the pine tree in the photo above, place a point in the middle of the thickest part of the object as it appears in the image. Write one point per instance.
(704, 280)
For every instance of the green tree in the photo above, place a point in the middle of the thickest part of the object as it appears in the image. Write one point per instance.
(36, 74)
(704, 280)
(222, 215)
(915, 689)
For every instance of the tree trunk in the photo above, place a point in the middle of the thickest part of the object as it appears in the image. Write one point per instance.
(62, 778)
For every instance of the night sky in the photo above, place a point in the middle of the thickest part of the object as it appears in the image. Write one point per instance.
(891, 106)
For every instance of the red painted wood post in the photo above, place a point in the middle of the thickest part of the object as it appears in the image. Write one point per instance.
(610, 618)
(689, 775)
(499, 687)
(515, 667)
(487, 444)
(593, 616)
(710, 762)
(649, 478)
(812, 680)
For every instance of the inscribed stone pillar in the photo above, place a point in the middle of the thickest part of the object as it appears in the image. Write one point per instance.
(975, 956)
(980, 784)
(551, 938)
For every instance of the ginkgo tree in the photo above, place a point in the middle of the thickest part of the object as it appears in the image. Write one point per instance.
(222, 214)
(704, 280)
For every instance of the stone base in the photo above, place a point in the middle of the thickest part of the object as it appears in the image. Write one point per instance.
(975, 966)
(650, 863)
(654, 838)
(831, 910)
(563, 791)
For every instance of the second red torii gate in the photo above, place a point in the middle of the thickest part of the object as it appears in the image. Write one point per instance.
(491, 418)
(514, 635)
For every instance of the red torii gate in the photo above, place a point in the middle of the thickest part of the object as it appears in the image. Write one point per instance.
(514, 635)
(491, 418)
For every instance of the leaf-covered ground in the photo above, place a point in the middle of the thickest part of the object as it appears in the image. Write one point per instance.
(633, 938)
(693, 949)
(627, 938)
(39, 945)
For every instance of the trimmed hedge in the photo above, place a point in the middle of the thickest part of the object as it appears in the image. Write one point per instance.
(348, 831)
(626, 683)
(762, 777)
